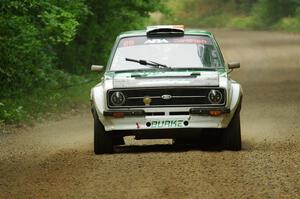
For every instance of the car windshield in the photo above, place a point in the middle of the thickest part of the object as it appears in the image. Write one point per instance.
(173, 52)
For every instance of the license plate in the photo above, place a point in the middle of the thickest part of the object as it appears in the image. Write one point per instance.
(167, 124)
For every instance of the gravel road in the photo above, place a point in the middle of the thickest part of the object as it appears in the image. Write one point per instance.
(55, 159)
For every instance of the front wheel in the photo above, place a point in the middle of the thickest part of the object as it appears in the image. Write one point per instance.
(103, 142)
(231, 137)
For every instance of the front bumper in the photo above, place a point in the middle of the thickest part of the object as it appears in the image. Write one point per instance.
(195, 118)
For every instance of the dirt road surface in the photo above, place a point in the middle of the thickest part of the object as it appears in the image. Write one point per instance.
(55, 159)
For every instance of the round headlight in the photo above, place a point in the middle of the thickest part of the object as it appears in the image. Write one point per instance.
(117, 98)
(215, 96)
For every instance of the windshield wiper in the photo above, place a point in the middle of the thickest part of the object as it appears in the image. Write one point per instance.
(147, 63)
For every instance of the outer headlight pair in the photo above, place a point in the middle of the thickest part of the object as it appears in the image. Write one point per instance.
(215, 96)
(117, 98)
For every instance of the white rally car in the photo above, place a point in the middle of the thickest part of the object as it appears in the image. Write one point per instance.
(166, 82)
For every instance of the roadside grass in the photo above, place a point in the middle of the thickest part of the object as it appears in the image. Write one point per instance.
(241, 23)
(45, 104)
(288, 24)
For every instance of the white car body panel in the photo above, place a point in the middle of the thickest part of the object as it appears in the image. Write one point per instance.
(210, 79)
(165, 79)
(98, 97)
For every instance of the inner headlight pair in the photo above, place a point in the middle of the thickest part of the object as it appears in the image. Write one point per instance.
(215, 96)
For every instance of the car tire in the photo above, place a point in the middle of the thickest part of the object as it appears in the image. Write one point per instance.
(103, 142)
(231, 136)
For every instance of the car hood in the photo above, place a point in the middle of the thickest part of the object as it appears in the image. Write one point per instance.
(165, 79)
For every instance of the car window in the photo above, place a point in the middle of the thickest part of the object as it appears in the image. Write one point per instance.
(181, 52)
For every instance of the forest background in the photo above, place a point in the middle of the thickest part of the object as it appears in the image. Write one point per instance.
(47, 47)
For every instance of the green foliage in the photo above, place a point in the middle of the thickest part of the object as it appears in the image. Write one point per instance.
(241, 22)
(241, 14)
(97, 33)
(59, 25)
(244, 6)
(44, 43)
(268, 12)
(11, 113)
(29, 31)
(40, 103)
(288, 24)
(206, 13)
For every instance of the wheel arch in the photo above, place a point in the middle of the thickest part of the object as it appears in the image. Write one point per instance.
(98, 102)
(236, 97)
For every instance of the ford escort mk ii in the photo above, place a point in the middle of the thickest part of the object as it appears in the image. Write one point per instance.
(166, 82)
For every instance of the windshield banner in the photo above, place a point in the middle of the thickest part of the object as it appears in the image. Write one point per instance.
(142, 40)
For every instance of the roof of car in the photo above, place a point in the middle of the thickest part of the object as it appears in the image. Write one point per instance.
(186, 32)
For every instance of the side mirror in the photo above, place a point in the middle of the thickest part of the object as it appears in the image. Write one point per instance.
(233, 65)
(97, 68)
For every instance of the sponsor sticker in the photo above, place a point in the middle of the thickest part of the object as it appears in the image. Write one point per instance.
(156, 41)
(128, 42)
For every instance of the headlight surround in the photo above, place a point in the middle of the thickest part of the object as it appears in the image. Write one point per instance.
(215, 96)
(117, 98)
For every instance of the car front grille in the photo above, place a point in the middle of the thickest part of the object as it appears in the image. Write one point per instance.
(166, 97)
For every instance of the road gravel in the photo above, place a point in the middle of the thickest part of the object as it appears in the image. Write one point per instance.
(55, 159)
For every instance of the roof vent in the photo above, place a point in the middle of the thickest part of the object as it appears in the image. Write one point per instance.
(165, 30)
